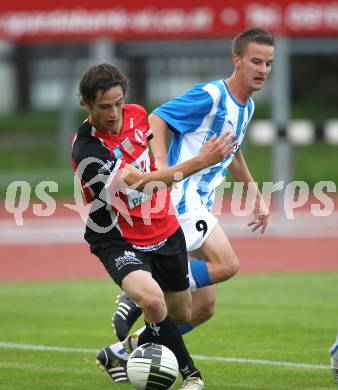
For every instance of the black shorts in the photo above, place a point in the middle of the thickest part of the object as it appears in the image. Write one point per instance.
(166, 260)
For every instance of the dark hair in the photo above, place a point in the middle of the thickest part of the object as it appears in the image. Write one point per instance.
(100, 77)
(258, 35)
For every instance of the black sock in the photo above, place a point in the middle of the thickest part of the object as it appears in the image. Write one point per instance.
(166, 333)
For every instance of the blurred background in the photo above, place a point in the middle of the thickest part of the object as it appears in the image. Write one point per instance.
(164, 48)
(289, 311)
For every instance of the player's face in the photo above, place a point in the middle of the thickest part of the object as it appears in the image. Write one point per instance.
(106, 113)
(255, 65)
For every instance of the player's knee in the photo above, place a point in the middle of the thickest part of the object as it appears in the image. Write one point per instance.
(207, 312)
(230, 269)
(153, 307)
(227, 268)
(204, 312)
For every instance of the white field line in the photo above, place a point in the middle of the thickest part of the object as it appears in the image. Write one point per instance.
(31, 347)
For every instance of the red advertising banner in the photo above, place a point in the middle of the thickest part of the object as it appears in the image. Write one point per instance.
(52, 20)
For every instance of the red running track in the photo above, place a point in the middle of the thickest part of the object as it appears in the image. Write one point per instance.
(74, 261)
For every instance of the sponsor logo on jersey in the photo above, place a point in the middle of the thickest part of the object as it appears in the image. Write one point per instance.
(128, 146)
(135, 198)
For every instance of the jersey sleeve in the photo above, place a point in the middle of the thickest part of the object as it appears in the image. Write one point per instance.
(186, 112)
(95, 166)
(142, 117)
(251, 109)
(146, 126)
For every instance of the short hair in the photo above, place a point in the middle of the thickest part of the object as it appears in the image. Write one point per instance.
(258, 35)
(100, 77)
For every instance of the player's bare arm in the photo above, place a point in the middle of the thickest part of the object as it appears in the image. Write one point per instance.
(212, 152)
(159, 141)
(241, 173)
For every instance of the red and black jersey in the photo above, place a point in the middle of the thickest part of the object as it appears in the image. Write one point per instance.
(98, 159)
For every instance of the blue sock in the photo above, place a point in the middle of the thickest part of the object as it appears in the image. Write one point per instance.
(200, 273)
(185, 328)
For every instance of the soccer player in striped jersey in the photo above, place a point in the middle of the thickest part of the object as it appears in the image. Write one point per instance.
(192, 118)
(205, 110)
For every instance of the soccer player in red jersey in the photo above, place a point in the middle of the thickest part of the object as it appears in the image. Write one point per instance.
(132, 226)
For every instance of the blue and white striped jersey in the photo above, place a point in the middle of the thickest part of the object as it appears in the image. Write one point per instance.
(196, 115)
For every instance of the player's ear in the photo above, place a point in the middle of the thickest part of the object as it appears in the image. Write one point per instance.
(85, 105)
(236, 60)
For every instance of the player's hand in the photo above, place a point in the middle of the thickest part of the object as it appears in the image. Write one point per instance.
(217, 148)
(260, 216)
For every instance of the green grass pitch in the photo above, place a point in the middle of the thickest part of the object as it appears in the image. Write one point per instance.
(265, 318)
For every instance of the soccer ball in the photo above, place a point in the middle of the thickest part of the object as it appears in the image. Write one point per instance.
(152, 366)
